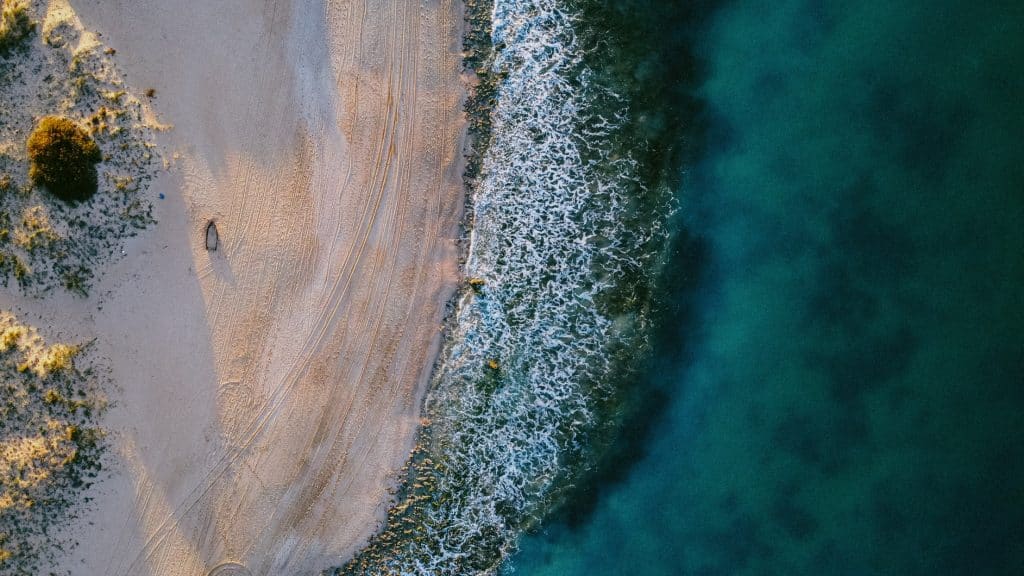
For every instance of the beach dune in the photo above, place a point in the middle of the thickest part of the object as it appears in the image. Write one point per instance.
(270, 388)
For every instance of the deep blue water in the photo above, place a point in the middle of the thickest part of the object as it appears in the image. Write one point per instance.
(838, 384)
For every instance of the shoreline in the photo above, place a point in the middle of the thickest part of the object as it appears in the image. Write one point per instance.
(481, 87)
(270, 390)
(544, 330)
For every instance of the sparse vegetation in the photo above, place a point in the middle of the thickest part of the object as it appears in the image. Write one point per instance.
(16, 25)
(50, 446)
(35, 231)
(49, 237)
(63, 159)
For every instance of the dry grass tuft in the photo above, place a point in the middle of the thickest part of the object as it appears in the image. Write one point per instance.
(16, 25)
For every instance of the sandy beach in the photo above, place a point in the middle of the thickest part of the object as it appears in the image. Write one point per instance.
(267, 391)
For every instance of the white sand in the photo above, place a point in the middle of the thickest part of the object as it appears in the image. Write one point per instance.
(268, 390)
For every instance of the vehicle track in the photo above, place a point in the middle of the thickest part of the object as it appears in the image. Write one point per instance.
(335, 182)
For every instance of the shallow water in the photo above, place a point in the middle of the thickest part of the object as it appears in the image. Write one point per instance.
(843, 371)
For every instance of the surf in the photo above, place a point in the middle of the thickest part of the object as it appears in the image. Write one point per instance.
(562, 226)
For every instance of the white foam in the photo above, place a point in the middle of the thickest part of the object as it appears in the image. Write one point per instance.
(548, 209)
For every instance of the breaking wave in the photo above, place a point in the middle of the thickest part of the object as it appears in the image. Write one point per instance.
(561, 224)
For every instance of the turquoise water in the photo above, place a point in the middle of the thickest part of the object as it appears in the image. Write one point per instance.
(838, 387)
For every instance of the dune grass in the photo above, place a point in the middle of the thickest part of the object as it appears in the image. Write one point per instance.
(16, 25)
(76, 189)
(50, 445)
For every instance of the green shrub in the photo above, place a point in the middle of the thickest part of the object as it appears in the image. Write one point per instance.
(63, 159)
(15, 25)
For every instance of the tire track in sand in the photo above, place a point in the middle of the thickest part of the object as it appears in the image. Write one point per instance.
(324, 300)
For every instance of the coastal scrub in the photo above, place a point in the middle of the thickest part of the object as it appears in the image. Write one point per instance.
(76, 153)
(63, 159)
(50, 444)
(16, 25)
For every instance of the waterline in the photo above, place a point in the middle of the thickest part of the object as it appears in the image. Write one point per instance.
(534, 348)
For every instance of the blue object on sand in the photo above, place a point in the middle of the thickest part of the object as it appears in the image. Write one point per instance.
(161, 195)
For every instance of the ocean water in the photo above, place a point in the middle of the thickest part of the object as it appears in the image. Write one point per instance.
(746, 298)
(838, 376)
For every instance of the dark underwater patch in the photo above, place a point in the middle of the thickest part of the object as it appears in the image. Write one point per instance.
(642, 50)
(845, 391)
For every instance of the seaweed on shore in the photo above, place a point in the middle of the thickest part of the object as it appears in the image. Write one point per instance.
(478, 60)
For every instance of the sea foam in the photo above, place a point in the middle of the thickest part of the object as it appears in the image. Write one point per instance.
(512, 403)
